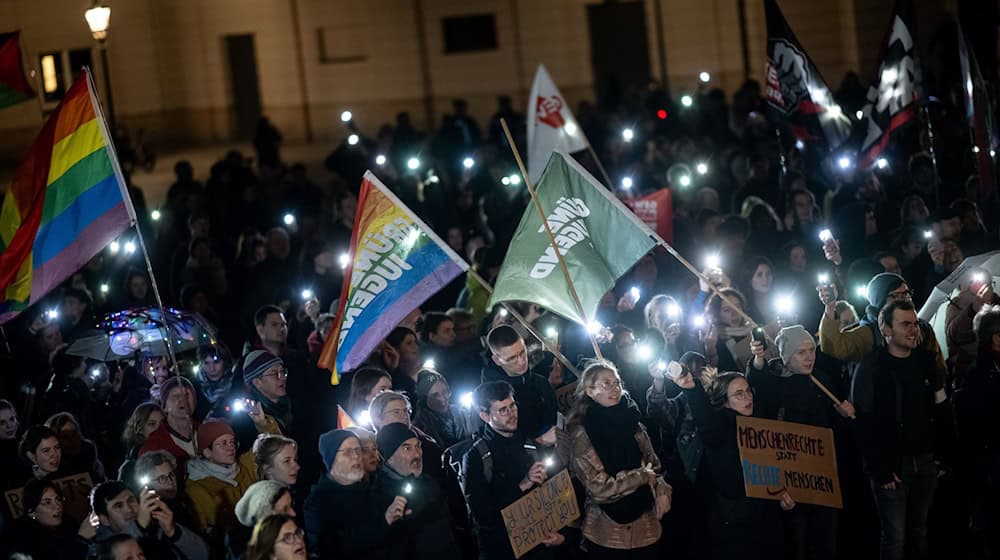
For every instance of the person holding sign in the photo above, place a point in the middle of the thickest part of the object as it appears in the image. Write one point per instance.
(497, 471)
(784, 391)
(614, 459)
(742, 527)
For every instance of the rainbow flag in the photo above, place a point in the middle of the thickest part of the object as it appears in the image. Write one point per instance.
(397, 262)
(67, 201)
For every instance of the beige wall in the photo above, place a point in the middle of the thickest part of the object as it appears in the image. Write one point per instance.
(170, 72)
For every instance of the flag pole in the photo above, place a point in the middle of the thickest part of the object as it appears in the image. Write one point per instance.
(552, 237)
(520, 318)
(127, 200)
(600, 166)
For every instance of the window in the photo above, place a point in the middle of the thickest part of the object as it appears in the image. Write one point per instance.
(59, 69)
(339, 45)
(470, 33)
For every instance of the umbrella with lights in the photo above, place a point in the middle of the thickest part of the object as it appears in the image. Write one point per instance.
(144, 330)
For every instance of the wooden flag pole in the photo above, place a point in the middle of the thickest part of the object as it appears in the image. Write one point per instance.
(520, 318)
(552, 238)
(597, 161)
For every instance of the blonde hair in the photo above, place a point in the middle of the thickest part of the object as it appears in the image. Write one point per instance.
(582, 401)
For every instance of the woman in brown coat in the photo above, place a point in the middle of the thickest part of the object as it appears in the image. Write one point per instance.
(615, 461)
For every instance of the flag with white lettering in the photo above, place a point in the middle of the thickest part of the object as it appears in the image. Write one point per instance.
(396, 263)
(598, 237)
(798, 99)
(979, 113)
(551, 125)
(892, 101)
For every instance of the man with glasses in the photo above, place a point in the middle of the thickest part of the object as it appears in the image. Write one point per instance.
(425, 530)
(534, 395)
(147, 518)
(267, 380)
(498, 470)
(854, 343)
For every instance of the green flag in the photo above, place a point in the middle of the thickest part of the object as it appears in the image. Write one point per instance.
(599, 238)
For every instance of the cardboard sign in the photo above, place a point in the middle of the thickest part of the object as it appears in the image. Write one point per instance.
(76, 495)
(541, 512)
(564, 397)
(778, 456)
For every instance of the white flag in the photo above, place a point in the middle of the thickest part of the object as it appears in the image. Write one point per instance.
(551, 125)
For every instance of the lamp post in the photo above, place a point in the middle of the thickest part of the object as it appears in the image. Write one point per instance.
(98, 20)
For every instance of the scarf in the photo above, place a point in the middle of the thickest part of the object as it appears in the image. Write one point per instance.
(735, 340)
(611, 431)
(445, 428)
(281, 411)
(214, 391)
(202, 468)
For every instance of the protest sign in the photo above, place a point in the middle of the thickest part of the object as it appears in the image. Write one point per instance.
(656, 210)
(564, 397)
(778, 456)
(76, 496)
(541, 512)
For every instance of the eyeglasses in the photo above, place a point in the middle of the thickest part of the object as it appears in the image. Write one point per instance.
(292, 538)
(170, 477)
(901, 295)
(280, 374)
(507, 410)
(521, 355)
(351, 451)
(608, 385)
(742, 394)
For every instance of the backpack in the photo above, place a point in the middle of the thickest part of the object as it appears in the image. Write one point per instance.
(454, 458)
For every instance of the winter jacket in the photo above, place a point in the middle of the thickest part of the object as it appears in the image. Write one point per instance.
(212, 501)
(961, 337)
(185, 544)
(674, 417)
(340, 522)
(160, 440)
(424, 534)
(780, 394)
(604, 488)
(29, 537)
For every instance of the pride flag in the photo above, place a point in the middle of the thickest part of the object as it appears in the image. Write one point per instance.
(396, 263)
(67, 201)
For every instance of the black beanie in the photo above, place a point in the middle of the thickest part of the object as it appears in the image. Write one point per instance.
(390, 437)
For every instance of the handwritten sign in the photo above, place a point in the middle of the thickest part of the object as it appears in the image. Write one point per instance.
(778, 456)
(564, 397)
(541, 512)
(76, 495)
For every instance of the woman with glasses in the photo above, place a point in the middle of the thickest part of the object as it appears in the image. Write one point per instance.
(614, 459)
(277, 537)
(435, 415)
(747, 528)
(44, 532)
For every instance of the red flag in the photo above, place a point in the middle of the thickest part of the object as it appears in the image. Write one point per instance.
(14, 86)
(656, 210)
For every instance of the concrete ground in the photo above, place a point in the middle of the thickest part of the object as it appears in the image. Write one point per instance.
(155, 184)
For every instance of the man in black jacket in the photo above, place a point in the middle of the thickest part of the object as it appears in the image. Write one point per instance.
(536, 400)
(425, 529)
(899, 437)
(497, 471)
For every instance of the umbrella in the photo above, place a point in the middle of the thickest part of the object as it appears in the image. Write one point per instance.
(934, 308)
(142, 330)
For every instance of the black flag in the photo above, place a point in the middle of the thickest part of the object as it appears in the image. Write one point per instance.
(798, 98)
(891, 105)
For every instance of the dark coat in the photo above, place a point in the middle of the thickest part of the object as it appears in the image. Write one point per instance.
(424, 534)
(536, 400)
(339, 521)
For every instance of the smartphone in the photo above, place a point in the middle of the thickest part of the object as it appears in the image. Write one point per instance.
(758, 336)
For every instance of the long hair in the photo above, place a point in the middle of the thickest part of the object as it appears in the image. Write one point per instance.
(581, 400)
(132, 434)
(717, 385)
(266, 447)
(362, 383)
(265, 535)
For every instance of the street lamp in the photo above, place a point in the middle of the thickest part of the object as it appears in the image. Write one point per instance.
(98, 20)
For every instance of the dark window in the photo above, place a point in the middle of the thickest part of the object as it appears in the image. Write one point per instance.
(470, 33)
(78, 58)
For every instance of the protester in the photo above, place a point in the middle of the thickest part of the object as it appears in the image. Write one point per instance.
(366, 384)
(625, 496)
(43, 533)
(509, 362)
(435, 415)
(78, 453)
(41, 452)
(145, 420)
(277, 537)
(498, 470)
(176, 434)
(157, 471)
(262, 499)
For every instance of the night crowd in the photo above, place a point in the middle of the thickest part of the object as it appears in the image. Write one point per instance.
(236, 451)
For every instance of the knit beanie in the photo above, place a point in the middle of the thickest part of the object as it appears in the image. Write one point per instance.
(210, 431)
(257, 363)
(390, 437)
(789, 340)
(257, 502)
(329, 444)
(880, 286)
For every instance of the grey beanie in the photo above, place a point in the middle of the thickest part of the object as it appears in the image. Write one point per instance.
(257, 502)
(790, 338)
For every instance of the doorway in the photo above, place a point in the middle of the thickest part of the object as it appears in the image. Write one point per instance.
(619, 51)
(244, 83)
